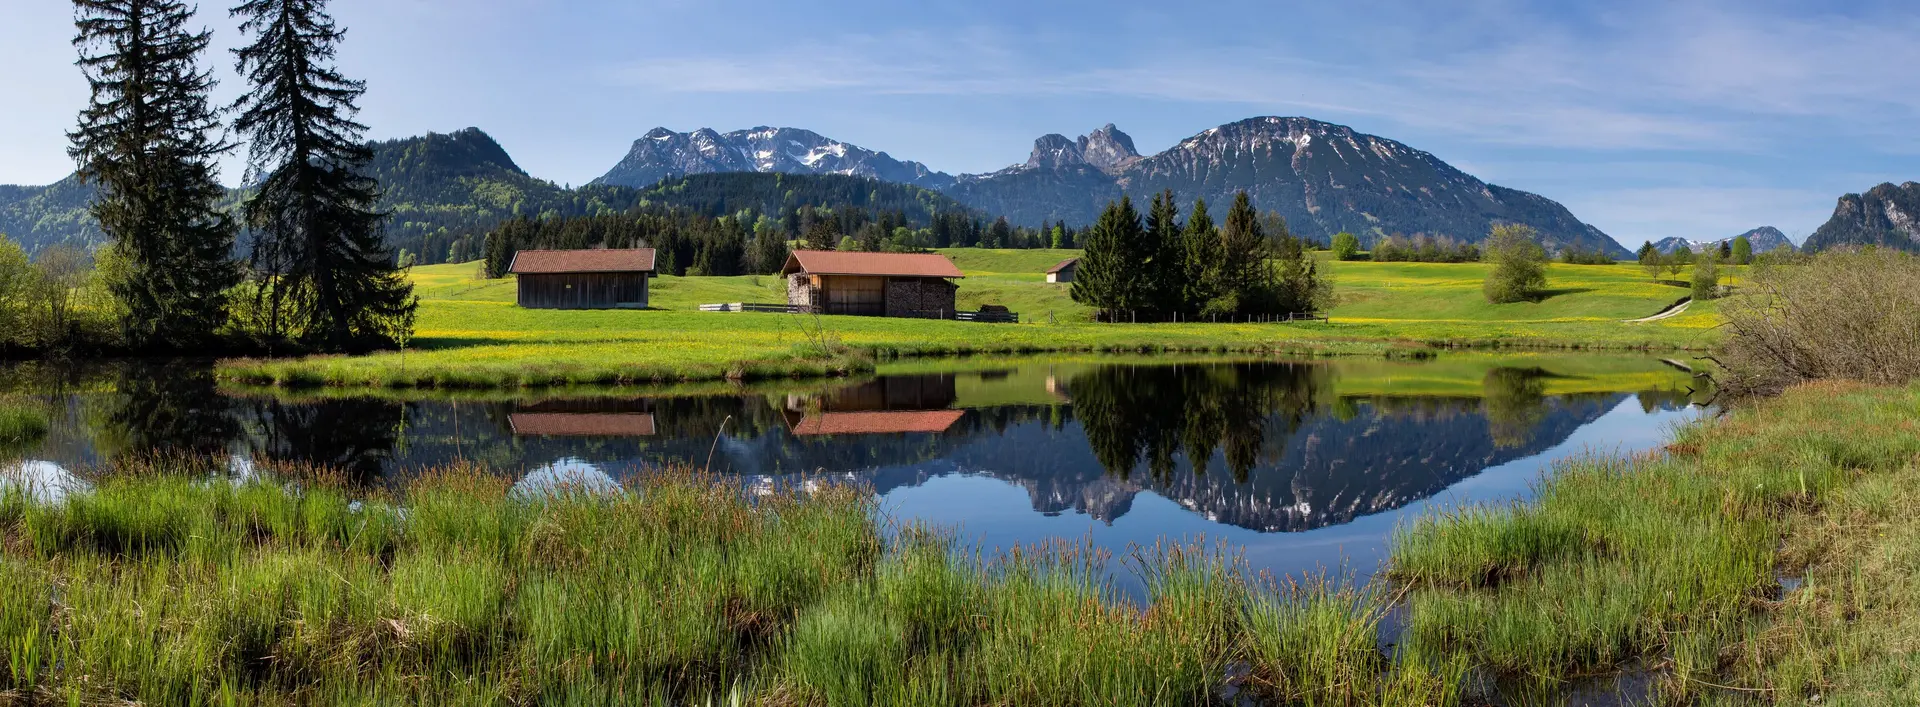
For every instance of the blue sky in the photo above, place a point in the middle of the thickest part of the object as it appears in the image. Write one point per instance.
(1646, 118)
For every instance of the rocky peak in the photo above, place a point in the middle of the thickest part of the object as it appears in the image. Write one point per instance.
(1055, 151)
(1108, 149)
(1886, 216)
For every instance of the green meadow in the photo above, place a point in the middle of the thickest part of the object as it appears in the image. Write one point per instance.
(470, 333)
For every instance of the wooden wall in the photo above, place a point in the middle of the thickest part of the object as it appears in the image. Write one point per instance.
(583, 290)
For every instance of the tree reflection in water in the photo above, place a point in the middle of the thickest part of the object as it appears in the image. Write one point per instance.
(1152, 413)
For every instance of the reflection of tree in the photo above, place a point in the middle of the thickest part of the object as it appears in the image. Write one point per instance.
(1515, 400)
(1135, 413)
(1664, 399)
(171, 409)
(356, 437)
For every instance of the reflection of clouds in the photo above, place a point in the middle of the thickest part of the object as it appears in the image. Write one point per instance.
(42, 481)
(564, 477)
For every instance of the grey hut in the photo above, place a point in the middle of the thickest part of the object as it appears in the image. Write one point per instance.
(583, 279)
(1064, 271)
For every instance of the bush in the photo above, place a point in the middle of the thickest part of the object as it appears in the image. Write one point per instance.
(1424, 249)
(1840, 314)
(1346, 246)
(1519, 265)
(1576, 255)
(1706, 278)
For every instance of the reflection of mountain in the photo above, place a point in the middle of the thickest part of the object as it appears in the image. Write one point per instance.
(1327, 472)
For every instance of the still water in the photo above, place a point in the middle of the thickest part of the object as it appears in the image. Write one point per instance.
(1302, 466)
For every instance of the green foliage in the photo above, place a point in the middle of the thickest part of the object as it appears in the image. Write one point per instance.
(16, 283)
(1346, 246)
(1519, 265)
(1706, 277)
(1424, 249)
(147, 140)
(1108, 273)
(1651, 260)
(1201, 244)
(1742, 251)
(1576, 255)
(324, 274)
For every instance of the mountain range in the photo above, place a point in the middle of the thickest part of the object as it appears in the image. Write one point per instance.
(1887, 216)
(1763, 239)
(1324, 178)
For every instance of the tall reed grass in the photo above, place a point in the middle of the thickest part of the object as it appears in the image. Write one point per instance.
(168, 584)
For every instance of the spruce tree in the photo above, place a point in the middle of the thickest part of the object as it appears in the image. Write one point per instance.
(1164, 268)
(326, 275)
(1243, 258)
(1104, 272)
(1201, 241)
(146, 141)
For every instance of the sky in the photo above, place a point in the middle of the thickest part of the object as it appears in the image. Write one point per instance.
(1646, 118)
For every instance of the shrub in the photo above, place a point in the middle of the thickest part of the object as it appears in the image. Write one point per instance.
(1346, 246)
(1706, 278)
(1840, 314)
(1519, 265)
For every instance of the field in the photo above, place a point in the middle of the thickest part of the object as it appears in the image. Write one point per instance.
(470, 334)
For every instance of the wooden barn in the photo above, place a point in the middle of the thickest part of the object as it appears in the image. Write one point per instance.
(583, 279)
(1064, 271)
(871, 284)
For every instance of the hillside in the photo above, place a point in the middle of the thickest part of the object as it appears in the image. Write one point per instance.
(36, 217)
(772, 193)
(1886, 216)
(1323, 178)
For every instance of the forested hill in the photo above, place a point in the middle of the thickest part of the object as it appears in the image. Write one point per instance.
(41, 216)
(725, 193)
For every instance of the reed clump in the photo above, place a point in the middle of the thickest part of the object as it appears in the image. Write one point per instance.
(167, 582)
(1667, 560)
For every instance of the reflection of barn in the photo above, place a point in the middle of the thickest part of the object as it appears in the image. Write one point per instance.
(891, 405)
(582, 418)
(583, 279)
(871, 284)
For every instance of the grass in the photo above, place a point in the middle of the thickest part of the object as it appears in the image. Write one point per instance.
(164, 587)
(1671, 560)
(470, 333)
(21, 425)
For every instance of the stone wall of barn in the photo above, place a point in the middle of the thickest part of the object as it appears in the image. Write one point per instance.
(920, 297)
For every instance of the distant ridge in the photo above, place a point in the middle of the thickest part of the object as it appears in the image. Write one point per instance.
(1886, 216)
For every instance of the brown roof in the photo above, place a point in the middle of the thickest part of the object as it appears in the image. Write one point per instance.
(568, 261)
(864, 423)
(574, 424)
(1062, 266)
(833, 262)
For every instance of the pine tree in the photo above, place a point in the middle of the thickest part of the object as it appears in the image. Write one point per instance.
(1298, 287)
(1243, 259)
(318, 235)
(1164, 268)
(1103, 275)
(146, 141)
(1201, 241)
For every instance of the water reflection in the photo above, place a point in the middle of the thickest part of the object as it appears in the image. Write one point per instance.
(1260, 447)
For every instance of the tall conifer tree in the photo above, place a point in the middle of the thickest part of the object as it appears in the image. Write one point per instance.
(1201, 240)
(1164, 267)
(1243, 257)
(146, 140)
(327, 275)
(1104, 274)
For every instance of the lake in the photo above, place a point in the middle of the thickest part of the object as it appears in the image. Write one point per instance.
(1303, 466)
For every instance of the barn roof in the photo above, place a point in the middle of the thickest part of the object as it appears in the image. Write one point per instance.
(543, 262)
(864, 423)
(567, 424)
(1064, 264)
(833, 262)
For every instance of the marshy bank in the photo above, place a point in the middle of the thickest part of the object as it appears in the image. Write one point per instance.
(161, 586)
(167, 582)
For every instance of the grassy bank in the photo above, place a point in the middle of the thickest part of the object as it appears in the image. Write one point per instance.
(1672, 562)
(470, 334)
(165, 589)
(21, 424)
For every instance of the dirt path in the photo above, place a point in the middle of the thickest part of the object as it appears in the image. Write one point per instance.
(1673, 311)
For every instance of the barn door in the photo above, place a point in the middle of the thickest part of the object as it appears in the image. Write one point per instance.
(857, 295)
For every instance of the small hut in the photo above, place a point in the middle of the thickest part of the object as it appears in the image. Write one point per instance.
(583, 279)
(871, 284)
(1064, 271)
